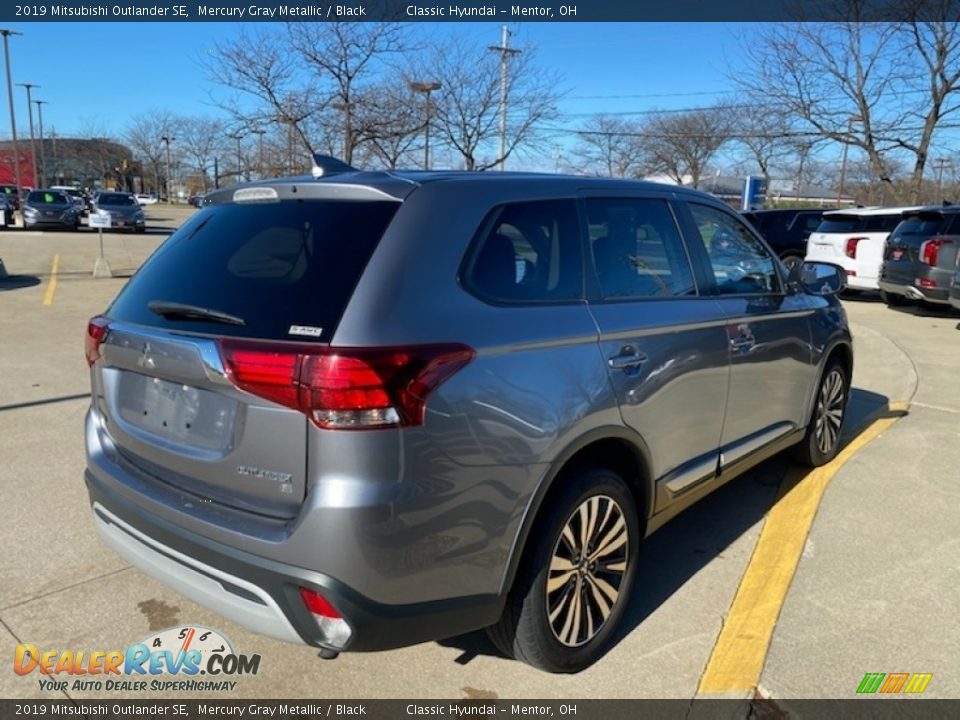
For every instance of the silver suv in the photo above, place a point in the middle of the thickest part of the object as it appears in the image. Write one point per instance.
(371, 409)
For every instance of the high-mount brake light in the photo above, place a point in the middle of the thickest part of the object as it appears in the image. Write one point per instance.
(345, 388)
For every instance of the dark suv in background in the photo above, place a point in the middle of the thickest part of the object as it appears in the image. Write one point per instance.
(920, 256)
(786, 230)
(372, 409)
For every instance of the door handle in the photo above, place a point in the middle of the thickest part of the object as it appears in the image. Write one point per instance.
(628, 358)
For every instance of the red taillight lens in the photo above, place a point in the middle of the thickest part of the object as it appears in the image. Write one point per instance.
(96, 332)
(318, 604)
(345, 388)
(851, 249)
(930, 249)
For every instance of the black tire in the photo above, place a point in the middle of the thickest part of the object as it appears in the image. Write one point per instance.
(892, 299)
(140, 229)
(525, 630)
(821, 442)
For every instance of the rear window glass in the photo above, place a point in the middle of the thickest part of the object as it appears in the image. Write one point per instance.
(858, 223)
(287, 269)
(921, 226)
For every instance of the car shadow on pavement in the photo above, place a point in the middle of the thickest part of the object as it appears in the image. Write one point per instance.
(703, 533)
(18, 282)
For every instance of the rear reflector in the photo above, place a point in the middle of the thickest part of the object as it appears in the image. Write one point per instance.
(851, 248)
(318, 604)
(926, 283)
(345, 388)
(96, 332)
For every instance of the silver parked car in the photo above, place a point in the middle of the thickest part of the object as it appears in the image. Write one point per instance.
(50, 208)
(124, 210)
(367, 410)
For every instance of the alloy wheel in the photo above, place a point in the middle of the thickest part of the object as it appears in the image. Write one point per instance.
(587, 569)
(830, 411)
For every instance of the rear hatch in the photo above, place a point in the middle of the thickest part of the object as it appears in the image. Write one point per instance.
(854, 236)
(249, 282)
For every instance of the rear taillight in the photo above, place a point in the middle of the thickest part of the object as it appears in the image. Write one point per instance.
(930, 249)
(96, 333)
(851, 248)
(345, 388)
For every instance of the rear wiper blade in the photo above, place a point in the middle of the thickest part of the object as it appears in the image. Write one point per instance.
(182, 311)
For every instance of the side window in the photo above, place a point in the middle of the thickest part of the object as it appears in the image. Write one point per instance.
(741, 264)
(529, 253)
(637, 250)
(811, 223)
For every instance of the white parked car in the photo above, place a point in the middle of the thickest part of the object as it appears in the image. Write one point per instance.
(854, 240)
(145, 199)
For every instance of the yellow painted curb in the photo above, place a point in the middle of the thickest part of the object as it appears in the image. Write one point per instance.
(52, 285)
(741, 648)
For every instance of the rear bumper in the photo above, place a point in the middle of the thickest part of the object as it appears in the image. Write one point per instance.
(263, 595)
(908, 284)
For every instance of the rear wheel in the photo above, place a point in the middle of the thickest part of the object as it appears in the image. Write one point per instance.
(892, 299)
(822, 440)
(575, 577)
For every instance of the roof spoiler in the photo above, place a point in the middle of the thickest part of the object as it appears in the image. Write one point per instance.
(324, 165)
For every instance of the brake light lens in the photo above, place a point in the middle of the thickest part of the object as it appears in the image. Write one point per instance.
(851, 249)
(930, 249)
(97, 329)
(345, 388)
(333, 628)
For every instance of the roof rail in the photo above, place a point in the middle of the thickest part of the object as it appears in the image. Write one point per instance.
(324, 165)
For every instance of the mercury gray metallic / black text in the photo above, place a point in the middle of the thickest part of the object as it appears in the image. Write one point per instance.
(360, 410)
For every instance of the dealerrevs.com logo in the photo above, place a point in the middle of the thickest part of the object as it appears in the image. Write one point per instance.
(184, 653)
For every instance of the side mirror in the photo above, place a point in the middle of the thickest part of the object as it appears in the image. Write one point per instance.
(819, 278)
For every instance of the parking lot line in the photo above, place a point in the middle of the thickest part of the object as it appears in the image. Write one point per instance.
(741, 648)
(52, 285)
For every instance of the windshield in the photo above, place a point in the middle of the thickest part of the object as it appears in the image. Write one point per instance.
(281, 267)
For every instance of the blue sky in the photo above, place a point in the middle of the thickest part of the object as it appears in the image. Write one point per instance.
(99, 75)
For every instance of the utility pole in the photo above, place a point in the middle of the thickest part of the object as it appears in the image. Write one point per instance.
(33, 147)
(238, 137)
(843, 166)
(167, 139)
(260, 133)
(940, 164)
(13, 120)
(43, 155)
(505, 53)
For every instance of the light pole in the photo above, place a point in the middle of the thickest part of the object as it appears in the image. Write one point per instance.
(43, 156)
(33, 147)
(505, 53)
(260, 133)
(13, 120)
(426, 88)
(167, 139)
(940, 164)
(843, 165)
(238, 137)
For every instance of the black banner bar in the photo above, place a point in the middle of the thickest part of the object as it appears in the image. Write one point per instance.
(854, 709)
(466, 11)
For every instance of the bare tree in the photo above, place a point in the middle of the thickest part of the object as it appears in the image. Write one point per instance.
(201, 139)
(342, 57)
(259, 66)
(467, 106)
(763, 134)
(881, 87)
(681, 144)
(144, 136)
(393, 121)
(610, 145)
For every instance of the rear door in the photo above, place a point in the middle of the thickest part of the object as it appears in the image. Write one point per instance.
(767, 332)
(663, 343)
(236, 291)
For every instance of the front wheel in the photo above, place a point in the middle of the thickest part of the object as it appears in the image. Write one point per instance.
(822, 440)
(574, 580)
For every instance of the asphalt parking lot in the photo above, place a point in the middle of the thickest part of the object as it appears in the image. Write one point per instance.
(874, 589)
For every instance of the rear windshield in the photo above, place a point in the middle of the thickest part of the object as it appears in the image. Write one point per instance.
(48, 197)
(858, 223)
(115, 199)
(287, 269)
(923, 226)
